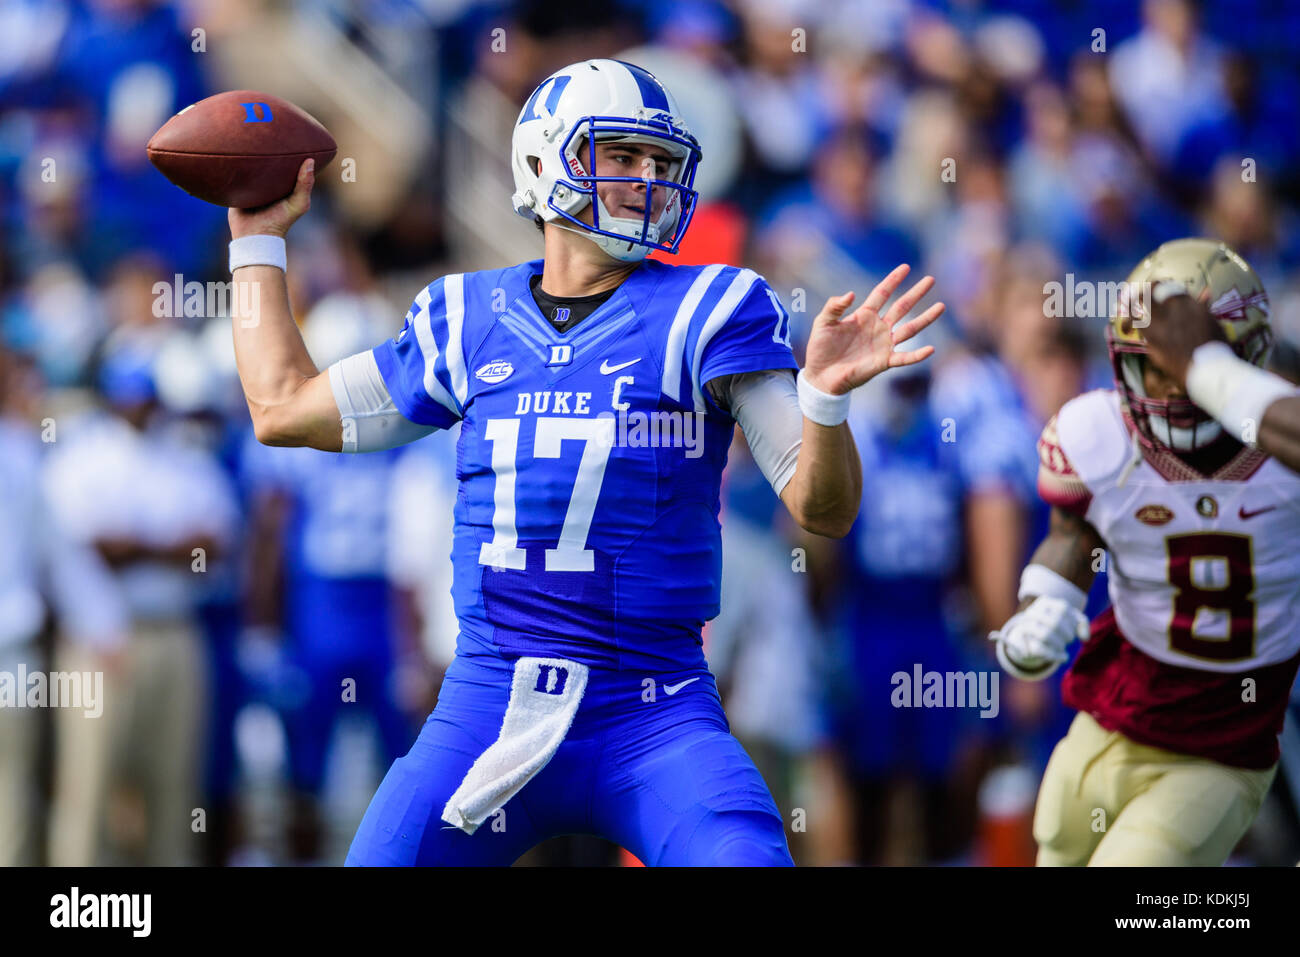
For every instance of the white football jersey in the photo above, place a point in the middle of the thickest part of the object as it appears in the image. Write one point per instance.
(1204, 572)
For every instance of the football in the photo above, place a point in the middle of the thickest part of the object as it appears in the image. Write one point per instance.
(241, 148)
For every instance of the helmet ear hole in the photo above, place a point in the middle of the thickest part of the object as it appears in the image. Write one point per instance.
(535, 164)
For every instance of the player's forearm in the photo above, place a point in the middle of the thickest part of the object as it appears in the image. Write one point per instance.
(273, 360)
(1253, 405)
(1070, 549)
(274, 365)
(826, 490)
(1279, 432)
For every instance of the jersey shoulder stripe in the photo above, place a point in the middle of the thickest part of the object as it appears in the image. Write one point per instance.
(428, 316)
(728, 320)
(725, 308)
(454, 287)
(427, 366)
(424, 366)
(676, 349)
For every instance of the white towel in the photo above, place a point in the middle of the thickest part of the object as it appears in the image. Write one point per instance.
(544, 697)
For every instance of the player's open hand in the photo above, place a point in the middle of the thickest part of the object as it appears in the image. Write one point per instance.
(276, 218)
(847, 349)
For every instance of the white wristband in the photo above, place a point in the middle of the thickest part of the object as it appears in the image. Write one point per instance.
(258, 250)
(821, 407)
(1232, 390)
(1038, 580)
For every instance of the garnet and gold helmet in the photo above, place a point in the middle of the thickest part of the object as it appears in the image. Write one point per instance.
(1237, 299)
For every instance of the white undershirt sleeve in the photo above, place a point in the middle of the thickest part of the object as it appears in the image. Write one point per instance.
(371, 422)
(766, 404)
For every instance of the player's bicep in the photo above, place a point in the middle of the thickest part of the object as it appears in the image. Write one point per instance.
(368, 420)
(746, 330)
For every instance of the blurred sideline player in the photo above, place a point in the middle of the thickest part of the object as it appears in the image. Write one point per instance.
(1182, 687)
(586, 560)
(895, 566)
(319, 560)
(42, 571)
(131, 483)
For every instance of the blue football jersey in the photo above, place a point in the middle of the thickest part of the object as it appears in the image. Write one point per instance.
(336, 600)
(589, 461)
(910, 523)
(908, 539)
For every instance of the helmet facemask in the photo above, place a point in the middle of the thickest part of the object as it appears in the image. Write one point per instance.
(627, 238)
(1177, 424)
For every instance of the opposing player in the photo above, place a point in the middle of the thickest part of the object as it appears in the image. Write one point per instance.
(1182, 687)
(597, 392)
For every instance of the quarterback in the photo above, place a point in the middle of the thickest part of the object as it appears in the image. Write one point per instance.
(585, 563)
(1182, 684)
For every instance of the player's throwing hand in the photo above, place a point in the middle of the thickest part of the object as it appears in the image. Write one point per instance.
(847, 349)
(276, 218)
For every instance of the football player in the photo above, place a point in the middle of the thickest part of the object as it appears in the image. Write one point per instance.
(597, 392)
(893, 571)
(1182, 687)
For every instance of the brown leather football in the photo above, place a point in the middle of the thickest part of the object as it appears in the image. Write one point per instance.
(240, 148)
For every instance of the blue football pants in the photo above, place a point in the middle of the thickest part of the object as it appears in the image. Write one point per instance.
(659, 775)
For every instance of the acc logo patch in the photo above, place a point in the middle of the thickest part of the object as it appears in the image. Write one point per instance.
(498, 370)
(1207, 507)
(1154, 515)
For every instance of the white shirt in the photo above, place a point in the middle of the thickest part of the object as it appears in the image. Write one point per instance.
(38, 563)
(109, 481)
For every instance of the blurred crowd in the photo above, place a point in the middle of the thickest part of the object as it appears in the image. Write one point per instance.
(271, 638)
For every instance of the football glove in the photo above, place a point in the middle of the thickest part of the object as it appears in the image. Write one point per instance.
(1031, 645)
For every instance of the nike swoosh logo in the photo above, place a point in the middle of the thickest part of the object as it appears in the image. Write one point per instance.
(673, 689)
(606, 368)
(1242, 513)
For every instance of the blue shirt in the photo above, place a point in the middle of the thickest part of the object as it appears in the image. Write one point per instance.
(336, 544)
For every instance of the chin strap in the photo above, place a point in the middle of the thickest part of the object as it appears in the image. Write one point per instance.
(595, 239)
(1135, 459)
